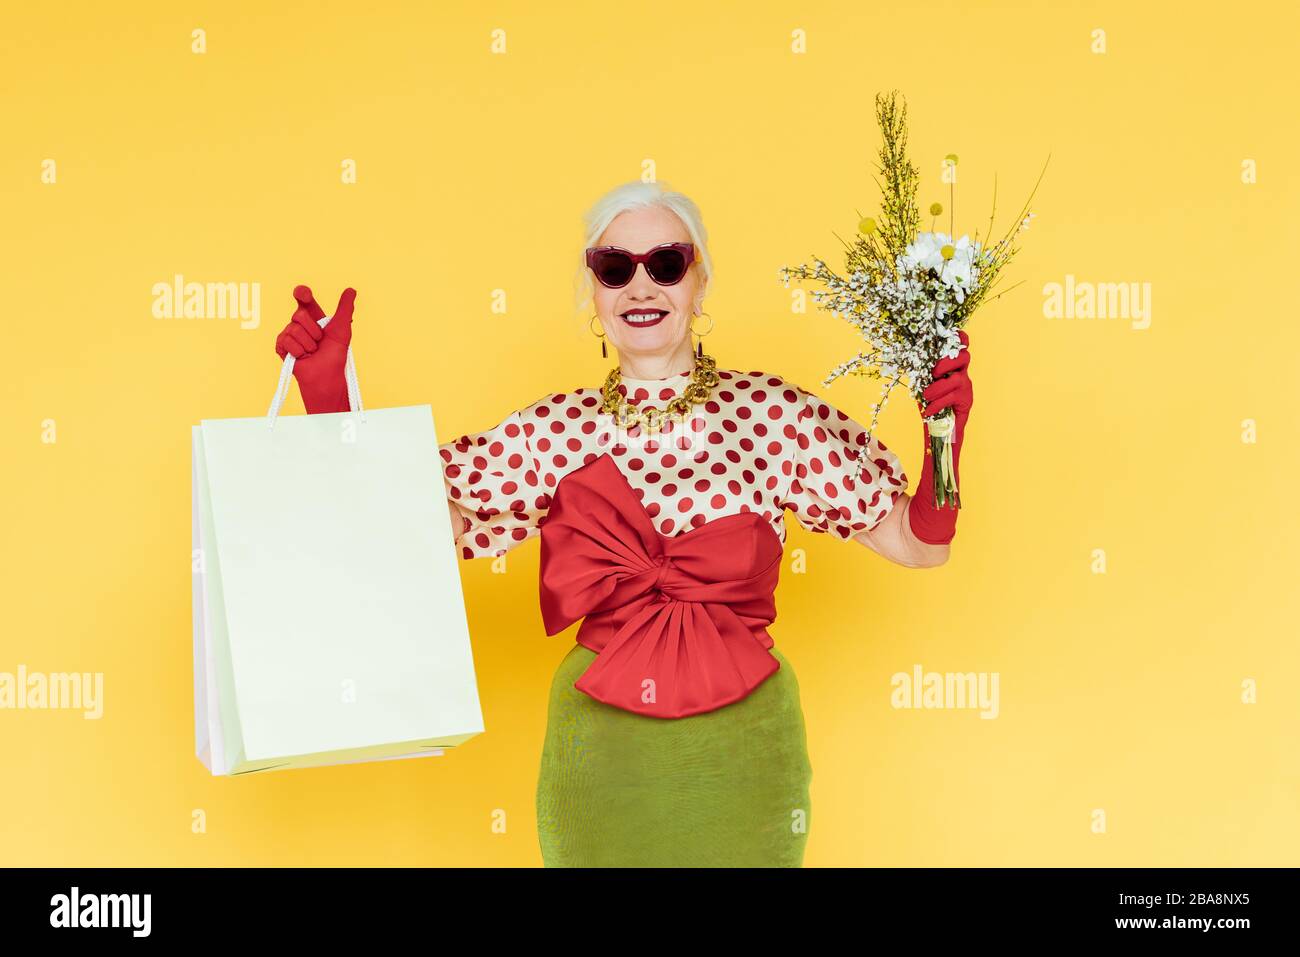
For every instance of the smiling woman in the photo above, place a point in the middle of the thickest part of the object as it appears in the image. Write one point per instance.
(646, 270)
(675, 734)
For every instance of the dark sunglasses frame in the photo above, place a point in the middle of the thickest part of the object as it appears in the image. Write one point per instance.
(687, 250)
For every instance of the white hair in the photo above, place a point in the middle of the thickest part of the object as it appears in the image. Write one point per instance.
(639, 195)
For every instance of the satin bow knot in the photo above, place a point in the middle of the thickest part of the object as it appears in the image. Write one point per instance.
(665, 566)
(678, 624)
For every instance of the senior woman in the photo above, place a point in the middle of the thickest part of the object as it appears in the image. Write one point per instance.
(675, 735)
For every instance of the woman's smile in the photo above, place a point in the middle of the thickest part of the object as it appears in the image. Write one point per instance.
(643, 318)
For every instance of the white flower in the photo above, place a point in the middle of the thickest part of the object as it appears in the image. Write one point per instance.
(925, 251)
(957, 273)
(951, 342)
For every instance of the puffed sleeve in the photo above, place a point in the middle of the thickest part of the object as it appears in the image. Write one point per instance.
(491, 480)
(840, 483)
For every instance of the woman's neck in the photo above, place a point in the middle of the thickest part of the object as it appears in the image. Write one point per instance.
(680, 361)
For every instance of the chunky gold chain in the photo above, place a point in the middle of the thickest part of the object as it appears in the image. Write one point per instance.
(703, 378)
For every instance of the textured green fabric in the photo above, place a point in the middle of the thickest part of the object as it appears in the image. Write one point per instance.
(727, 788)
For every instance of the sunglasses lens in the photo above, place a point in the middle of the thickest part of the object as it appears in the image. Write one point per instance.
(666, 266)
(613, 268)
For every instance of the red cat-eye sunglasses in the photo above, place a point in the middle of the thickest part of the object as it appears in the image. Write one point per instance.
(666, 264)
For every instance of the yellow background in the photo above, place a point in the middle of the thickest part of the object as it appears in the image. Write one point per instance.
(1119, 691)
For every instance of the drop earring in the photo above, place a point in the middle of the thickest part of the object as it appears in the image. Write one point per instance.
(601, 335)
(699, 336)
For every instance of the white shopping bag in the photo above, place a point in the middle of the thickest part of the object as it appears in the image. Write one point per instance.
(329, 623)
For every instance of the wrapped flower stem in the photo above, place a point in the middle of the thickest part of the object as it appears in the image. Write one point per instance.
(942, 429)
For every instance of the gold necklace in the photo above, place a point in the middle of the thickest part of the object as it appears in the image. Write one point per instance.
(703, 378)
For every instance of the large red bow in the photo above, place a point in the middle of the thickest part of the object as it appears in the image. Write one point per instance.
(678, 623)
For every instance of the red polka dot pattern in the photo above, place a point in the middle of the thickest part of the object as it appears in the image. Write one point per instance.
(760, 444)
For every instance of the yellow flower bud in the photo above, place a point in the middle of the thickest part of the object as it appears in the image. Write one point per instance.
(951, 158)
(867, 226)
(947, 251)
(936, 209)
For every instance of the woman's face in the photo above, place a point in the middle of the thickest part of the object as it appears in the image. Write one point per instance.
(626, 314)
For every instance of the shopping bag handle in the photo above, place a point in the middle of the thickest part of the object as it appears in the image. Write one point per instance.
(286, 375)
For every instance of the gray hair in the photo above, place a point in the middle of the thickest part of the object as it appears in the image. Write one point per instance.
(638, 195)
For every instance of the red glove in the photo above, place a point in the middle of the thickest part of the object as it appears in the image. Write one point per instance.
(319, 354)
(951, 386)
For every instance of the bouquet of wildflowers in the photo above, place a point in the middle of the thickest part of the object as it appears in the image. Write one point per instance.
(909, 291)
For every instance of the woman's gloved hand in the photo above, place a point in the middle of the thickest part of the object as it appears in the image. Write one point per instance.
(951, 386)
(319, 354)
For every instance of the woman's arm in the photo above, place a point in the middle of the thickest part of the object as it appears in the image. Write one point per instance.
(896, 536)
(494, 498)
(457, 522)
(893, 539)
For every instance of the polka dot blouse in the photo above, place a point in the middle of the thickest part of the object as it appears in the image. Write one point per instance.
(758, 444)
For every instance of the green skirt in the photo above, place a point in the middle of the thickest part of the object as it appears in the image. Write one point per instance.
(727, 788)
